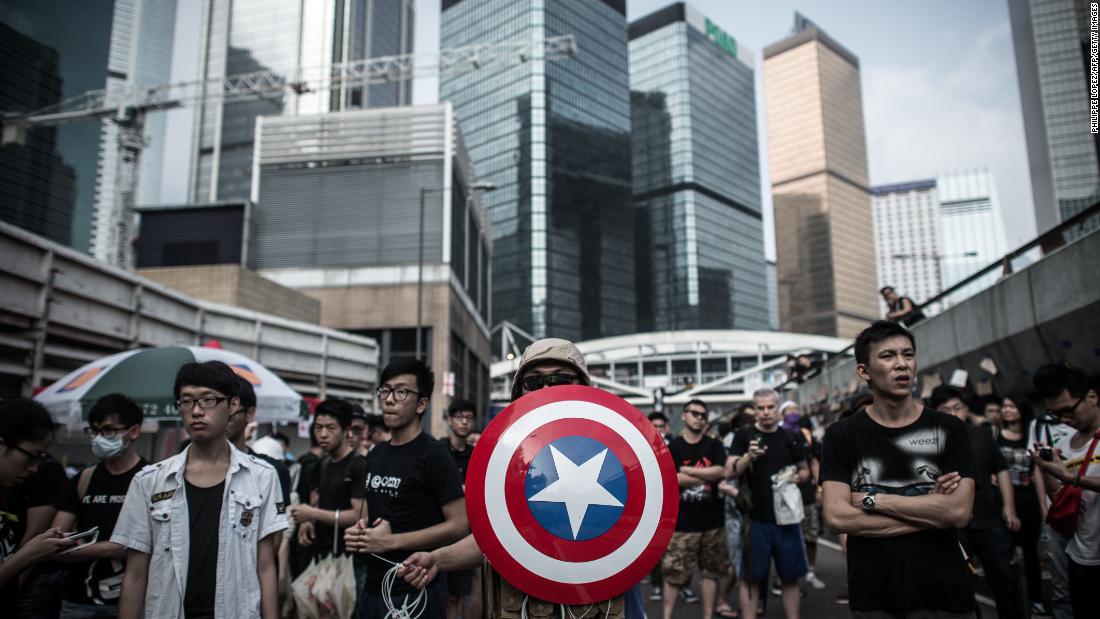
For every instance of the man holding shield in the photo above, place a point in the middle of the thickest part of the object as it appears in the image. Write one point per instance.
(546, 363)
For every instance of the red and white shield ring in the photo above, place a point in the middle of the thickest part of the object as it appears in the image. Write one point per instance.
(572, 495)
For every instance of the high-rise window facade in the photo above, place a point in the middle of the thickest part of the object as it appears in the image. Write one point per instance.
(244, 36)
(907, 238)
(825, 247)
(554, 137)
(1052, 42)
(700, 243)
(48, 183)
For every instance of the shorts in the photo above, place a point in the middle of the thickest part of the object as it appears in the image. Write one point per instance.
(811, 523)
(460, 583)
(707, 548)
(768, 541)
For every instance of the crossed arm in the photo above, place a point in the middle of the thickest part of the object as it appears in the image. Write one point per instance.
(689, 476)
(949, 506)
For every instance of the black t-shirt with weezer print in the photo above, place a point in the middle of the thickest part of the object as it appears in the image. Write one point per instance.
(923, 570)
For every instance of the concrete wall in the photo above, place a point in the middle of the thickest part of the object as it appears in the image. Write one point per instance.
(390, 306)
(232, 285)
(1048, 312)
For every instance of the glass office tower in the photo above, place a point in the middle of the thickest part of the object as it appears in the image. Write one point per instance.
(699, 226)
(244, 36)
(554, 137)
(48, 183)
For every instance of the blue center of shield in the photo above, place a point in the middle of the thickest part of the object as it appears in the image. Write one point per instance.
(576, 488)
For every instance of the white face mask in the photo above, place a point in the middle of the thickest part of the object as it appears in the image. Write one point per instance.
(107, 448)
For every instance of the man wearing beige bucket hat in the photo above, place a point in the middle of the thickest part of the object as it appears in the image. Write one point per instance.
(546, 363)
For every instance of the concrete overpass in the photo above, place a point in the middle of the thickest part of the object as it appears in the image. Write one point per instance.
(1046, 312)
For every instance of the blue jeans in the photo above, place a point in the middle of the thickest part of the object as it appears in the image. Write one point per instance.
(1053, 545)
(69, 610)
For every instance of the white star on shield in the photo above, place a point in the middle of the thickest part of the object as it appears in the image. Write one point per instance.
(577, 487)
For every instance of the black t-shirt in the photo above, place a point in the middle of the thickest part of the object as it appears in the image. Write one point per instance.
(44, 486)
(100, 581)
(281, 471)
(461, 458)
(988, 461)
(923, 570)
(13, 524)
(913, 317)
(309, 466)
(204, 506)
(407, 485)
(701, 509)
(813, 452)
(1021, 468)
(783, 448)
(337, 486)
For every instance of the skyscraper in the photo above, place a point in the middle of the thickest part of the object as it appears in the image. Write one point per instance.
(825, 248)
(1051, 39)
(245, 36)
(140, 53)
(700, 239)
(554, 137)
(49, 182)
(907, 238)
(972, 231)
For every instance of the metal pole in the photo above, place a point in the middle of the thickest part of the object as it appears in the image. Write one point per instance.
(420, 278)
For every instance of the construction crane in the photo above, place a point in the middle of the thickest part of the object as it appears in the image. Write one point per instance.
(127, 107)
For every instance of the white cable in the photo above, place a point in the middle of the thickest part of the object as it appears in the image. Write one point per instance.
(408, 610)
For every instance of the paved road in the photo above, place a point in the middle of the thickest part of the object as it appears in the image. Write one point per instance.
(817, 603)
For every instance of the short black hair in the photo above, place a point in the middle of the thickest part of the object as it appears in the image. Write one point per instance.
(210, 374)
(375, 421)
(425, 378)
(128, 412)
(656, 416)
(1053, 378)
(24, 420)
(885, 288)
(943, 393)
(358, 412)
(460, 405)
(246, 393)
(340, 410)
(696, 402)
(878, 331)
(313, 434)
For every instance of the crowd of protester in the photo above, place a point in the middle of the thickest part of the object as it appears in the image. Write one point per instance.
(925, 497)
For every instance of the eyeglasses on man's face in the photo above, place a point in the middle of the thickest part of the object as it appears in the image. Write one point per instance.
(205, 402)
(463, 417)
(1066, 412)
(33, 458)
(534, 382)
(104, 431)
(400, 394)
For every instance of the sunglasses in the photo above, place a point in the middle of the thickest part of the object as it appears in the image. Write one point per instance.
(538, 381)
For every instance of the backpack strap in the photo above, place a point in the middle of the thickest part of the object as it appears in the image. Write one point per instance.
(85, 479)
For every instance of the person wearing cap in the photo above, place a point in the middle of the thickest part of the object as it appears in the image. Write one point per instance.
(546, 363)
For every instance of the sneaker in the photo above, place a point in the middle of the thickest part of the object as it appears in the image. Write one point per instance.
(776, 591)
(688, 596)
(655, 595)
(843, 598)
(814, 581)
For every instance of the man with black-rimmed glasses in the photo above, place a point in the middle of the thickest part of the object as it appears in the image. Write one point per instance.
(199, 526)
(413, 492)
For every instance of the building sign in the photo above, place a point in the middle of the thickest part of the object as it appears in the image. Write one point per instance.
(721, 38)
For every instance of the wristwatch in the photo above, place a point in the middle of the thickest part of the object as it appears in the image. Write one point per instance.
(868, 502)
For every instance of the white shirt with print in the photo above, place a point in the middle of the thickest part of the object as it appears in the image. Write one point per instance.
(1084, 548)
(154, 520)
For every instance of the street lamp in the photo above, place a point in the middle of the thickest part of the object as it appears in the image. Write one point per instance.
(483, 187)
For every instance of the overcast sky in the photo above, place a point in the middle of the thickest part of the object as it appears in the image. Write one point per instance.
(939, 84)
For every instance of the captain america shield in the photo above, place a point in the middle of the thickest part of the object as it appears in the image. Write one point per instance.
(572, 495)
